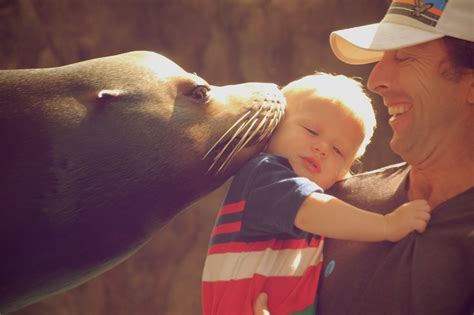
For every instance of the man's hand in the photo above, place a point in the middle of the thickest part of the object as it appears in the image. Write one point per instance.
(410, 216)
(260, 307)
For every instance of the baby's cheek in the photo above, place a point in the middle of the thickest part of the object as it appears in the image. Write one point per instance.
(342, 174)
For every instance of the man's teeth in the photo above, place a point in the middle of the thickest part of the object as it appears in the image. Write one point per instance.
(395, 110)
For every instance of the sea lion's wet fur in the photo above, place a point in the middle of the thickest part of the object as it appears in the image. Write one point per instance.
(95, 156)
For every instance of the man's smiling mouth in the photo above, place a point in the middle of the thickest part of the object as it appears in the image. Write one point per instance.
(397, 110)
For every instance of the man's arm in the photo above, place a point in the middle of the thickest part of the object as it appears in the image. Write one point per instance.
(326, 215)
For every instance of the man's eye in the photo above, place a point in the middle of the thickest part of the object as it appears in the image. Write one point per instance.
(399, 57)
(311, 131)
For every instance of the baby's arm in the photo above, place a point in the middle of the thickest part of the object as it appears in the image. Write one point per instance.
(328, 216)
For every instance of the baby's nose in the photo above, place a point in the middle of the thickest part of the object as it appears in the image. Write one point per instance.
(321, 148)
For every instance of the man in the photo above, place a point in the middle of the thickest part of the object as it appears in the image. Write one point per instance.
(425, 75)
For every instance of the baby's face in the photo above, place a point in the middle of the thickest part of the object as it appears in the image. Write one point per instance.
(319, 138)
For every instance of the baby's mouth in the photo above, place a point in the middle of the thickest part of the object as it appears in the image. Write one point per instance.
(312, 165)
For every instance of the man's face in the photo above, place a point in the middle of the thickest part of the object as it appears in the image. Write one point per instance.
(428, 111)
(319, 138)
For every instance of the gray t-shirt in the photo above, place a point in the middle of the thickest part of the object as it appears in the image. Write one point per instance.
(423, 274)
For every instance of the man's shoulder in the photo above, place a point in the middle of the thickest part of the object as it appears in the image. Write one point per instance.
(398, 169)
(365, 189)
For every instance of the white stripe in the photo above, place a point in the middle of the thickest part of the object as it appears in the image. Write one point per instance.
(284, 262)
(429, 18)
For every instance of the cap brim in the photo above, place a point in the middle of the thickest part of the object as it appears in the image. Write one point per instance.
(366, 44)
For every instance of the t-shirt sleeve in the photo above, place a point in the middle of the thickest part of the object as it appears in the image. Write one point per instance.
(274, 197)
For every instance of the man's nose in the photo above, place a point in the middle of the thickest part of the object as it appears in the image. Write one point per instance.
(383, 73)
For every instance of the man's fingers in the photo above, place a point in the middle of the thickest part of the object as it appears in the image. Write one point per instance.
(260, 307)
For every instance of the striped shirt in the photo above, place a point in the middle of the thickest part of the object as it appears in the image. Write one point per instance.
(255, 246)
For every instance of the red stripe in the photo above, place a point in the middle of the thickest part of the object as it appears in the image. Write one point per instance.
(285, 294)
(227, 228)
(237, 247)
(232, 207)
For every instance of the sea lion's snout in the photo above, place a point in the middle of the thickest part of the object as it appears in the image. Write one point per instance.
(254, 126)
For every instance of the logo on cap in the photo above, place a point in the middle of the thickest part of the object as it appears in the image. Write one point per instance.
(426, 12)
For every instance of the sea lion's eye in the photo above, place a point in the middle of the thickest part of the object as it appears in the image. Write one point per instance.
(200, 92)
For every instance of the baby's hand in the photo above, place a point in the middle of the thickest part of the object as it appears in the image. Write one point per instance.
(413, 215)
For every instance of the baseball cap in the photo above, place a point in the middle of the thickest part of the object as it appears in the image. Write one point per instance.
(406, 23)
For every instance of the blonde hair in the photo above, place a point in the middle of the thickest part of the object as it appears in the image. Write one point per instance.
(344, 91)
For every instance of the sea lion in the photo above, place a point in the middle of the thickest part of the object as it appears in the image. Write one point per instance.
(98, 154)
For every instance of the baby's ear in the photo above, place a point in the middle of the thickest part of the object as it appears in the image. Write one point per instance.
(356, 167)
(344, 175)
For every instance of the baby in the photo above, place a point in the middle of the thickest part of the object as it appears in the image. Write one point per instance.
(270, 231)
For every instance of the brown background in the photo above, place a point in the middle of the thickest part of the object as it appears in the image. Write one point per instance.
(225, 42)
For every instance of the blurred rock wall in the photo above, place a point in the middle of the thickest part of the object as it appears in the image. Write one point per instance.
(225, 42)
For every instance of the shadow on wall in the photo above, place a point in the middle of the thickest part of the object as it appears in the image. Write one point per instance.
(225, 42)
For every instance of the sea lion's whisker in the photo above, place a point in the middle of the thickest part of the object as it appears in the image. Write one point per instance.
(244, 124)
(250, 127)
(262, 126)
(234, 136)
(241, 144)
(269, 128)
(247, 138)
(225, 134)
(228, 143)
(275, 120)
(251, 121)
(250, 138)
(280, 114)
(276, 114)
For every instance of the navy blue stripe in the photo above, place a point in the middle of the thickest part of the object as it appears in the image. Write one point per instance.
(225, 238)
(229, 218)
